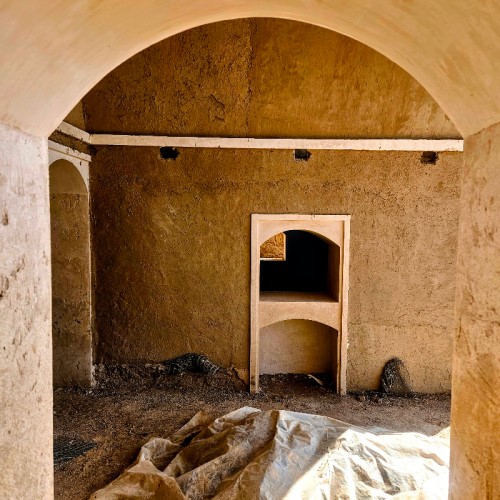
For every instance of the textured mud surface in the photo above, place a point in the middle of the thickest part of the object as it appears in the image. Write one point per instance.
(71, 336)
(171, 238)
(171, 244)
(124, 413)
(263, 78)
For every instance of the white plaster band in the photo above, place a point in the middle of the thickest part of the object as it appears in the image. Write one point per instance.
(67, 129)
(65, 150)
(252, 143)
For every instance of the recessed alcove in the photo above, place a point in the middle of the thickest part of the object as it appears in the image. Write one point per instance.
(299, 293)
(298, 346)
(309, 268)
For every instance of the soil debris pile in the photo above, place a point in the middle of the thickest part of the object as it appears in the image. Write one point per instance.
(189, 371)
(396, 379)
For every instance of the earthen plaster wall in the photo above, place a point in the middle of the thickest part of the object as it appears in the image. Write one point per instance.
(475, 436)
(25, 318)
(172, 251)
(263, 78)
(172, 238)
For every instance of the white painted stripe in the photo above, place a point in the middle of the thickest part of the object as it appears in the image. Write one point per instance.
(77, 133)
(311, 144)
(252, 143)
(65, 150)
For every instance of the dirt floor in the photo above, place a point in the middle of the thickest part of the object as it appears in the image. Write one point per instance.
(122, 414)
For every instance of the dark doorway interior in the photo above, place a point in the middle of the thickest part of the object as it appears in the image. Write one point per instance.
(304, 270)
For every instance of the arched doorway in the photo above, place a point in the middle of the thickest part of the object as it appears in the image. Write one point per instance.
(451, 47)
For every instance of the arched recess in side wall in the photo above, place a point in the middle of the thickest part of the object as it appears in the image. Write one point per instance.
(71, 293)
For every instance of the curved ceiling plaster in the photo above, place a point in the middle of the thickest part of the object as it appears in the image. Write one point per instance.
(56, 51)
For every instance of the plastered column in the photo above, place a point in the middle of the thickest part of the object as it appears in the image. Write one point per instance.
(25, 319)
(475, 438)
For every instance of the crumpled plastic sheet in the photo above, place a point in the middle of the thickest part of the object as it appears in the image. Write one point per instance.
(253, 454)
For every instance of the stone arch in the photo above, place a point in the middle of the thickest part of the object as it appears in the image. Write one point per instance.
(421, 37)
(451, 48)
(65, 178)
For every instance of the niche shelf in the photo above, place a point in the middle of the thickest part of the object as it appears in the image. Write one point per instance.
(288, 296)
(305, 282)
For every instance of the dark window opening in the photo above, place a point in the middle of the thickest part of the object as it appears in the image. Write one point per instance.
(429, 158)
(311, 265)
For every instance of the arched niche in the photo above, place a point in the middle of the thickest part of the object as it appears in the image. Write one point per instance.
(327, 306)
(64, 178)
(308, 263)
(71, 280)
(298, 346)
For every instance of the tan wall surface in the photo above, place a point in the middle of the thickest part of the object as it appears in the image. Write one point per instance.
(76, 116)
(25, 347)
(172, 237)
(172, 251)
(297, 346)
(70, 240)
(475, 412)
(263, 78)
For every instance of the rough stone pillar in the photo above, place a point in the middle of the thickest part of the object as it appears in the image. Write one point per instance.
(25, 318)
(475, 431)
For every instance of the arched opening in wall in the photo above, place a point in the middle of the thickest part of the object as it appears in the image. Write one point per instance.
(71, 293)
(357, 87)
(298, 346)
(299, 263)
(144, 179)
(398, 32)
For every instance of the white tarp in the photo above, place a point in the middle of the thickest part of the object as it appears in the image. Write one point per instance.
(253, 454)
